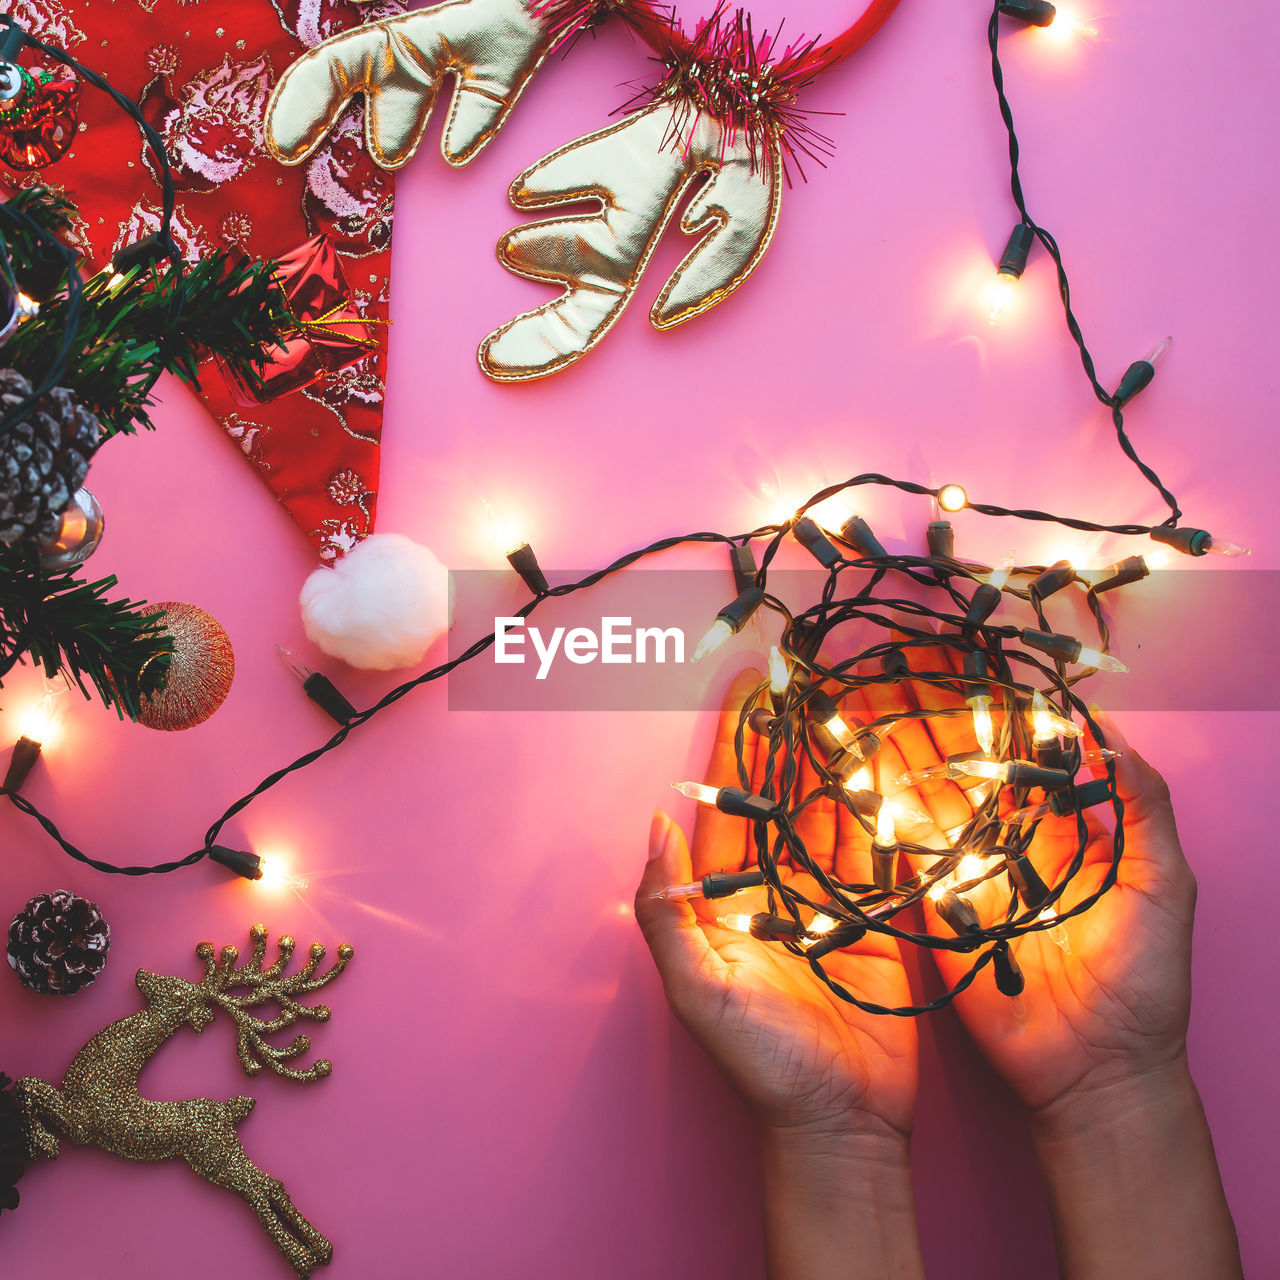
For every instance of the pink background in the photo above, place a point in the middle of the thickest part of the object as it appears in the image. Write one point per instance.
(509, 1093)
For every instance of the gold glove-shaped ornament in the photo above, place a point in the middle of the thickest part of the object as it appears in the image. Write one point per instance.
(638, 169)
(491, 47)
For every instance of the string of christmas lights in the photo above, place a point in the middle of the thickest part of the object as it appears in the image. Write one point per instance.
(1015, 683)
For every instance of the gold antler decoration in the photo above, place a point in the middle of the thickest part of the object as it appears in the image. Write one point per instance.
(99, 1103)
(492, 48)
(639, 170)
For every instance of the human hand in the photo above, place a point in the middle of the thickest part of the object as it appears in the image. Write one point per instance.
(1114, 1008)
(832, 1088)
(800, 1057)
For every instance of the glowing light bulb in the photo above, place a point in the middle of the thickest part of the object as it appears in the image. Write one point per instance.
(42, 720)
(1067, 26)
(1225, 547)
(1000, 294)
(717, 633)
(779, 673)
(952, 497)
(886, 834)
(698, 791)
(738, 923)
(971, 867)
(841, 732)
(1041, 722)
(906, 814)
(506, 536)
(997, 770)
(277, 873)
(940, 888)
(983, 725)
(861, 780)
(1100, 661)
(830, 513)
(1059, 931)
(821, 924)
(999, 576)
(930, 773)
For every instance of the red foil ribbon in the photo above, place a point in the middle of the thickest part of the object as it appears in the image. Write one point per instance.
(39, 125)
(331, 332)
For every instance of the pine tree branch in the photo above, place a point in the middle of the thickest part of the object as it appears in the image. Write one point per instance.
(67, 625)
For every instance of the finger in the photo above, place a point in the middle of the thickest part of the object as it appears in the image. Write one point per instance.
(1151, 832)
(679, 947)
(722, 842)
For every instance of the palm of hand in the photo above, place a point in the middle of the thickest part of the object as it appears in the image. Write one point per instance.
(1115, 1003)
(800, 1055)
(803, 1055)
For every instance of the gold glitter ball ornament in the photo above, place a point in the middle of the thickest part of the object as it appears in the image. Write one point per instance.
(201, 668)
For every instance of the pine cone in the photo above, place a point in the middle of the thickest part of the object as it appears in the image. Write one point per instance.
(58, 943)
(13, 1145)
(43, 459)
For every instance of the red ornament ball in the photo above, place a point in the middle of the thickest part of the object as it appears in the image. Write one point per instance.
(201, 668)
(39, 111)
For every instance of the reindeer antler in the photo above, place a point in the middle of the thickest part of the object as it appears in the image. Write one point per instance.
(492, 47)
(638, 170)
(266, 986)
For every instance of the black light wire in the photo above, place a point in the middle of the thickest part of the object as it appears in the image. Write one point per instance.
(801, 641)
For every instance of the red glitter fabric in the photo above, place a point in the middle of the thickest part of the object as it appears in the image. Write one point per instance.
(203, 74)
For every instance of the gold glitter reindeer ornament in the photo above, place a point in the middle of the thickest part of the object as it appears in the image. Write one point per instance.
(99, 1103)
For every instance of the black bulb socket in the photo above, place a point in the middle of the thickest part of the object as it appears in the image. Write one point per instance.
(738, 612)
(1051, 755)
(724, 884)
(26, 751)
(985, 601)
(843, 765)
(1137, 377)
(1059, 647)
(895, 664)
(742, 804)
(745, 569)
(1131, 569)
(139, 253)
(866, 803)
(976, 673)
(1191, 542)
(941, 538)
(1009, 979)
(328, 697)
(810, 536)
(769, 928)
(1036, 13)
(1053, 579)
(884, 866)
(762, 721)
(1024, 774)
(12, 40)
(857, 533)
(248, 865)
(525, 563)
(1063, 804)
(843, 935)
(1013, 262)
(1032, 890)
(957, 913)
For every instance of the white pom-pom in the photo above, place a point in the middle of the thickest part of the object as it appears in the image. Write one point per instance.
(381, 606)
